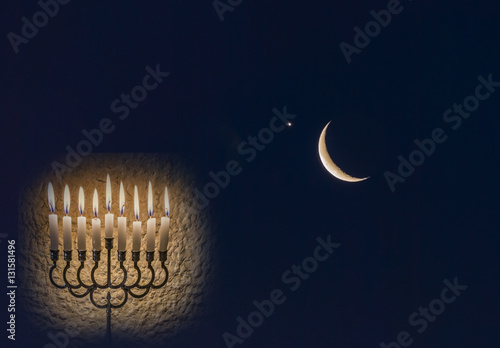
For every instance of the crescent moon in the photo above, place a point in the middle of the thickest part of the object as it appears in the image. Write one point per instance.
(328, 162)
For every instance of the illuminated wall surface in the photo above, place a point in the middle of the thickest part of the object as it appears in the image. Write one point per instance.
(162, 313)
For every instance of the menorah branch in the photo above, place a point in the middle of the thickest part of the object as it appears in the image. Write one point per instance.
(90, 289)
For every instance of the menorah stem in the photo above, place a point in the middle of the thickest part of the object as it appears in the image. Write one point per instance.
(109, 246)
(108, 320)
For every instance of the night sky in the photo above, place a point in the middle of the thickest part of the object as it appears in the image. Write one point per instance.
(397, 249)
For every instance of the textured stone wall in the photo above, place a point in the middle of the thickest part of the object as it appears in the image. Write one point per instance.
(162, 313)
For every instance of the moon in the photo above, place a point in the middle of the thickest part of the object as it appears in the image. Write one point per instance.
(328, 162)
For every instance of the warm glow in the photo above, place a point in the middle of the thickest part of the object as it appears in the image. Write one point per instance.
(95, 204)
(81, 200)
(136, 203)
(167, 203)
(163, 313)
(66, 200)
(52, 205)
(150, 200)
(122, 199)
(108, 193)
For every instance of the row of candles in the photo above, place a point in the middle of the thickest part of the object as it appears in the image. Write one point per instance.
(108, 221)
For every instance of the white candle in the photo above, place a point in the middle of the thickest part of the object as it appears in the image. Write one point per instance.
(136, 238)
(96, 234)
(122, 222)
(96, 224)
(53, 228)
(82, 233)
(151, 226)
(109, 218)
(150, 235)
(82, 222)
(136, 225)
(165, 223)
(54, 232)
(108, 225)
(66, 221)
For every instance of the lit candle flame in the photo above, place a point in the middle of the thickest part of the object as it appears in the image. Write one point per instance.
(95, 204)
(52, 205)
(108, 193)
(122, 199)
(66, 200)
(136, 203)
(150, 200)
(167, 203)
(81, 201)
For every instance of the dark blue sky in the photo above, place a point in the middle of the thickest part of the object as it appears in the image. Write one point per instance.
(225, 79)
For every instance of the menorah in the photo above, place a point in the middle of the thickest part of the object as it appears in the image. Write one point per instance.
(132, 288)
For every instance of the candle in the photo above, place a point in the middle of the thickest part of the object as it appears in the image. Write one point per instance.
(165, 223)
(66, 221)
(53, 228)
(136, 225)
(151, 227)
(109, 218)
(96, 224)
(122, 222)
(82, 222)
